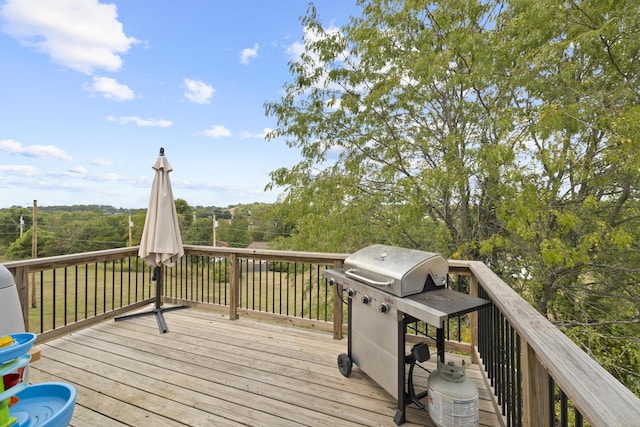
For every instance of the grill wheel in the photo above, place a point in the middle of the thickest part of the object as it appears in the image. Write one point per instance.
(345, 364)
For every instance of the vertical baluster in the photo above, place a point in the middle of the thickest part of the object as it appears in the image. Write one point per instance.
(578, 417)
(501, 363)
(552, 402)
(310, 291)
(113, 283)
(95, 288)
(326, 296)
(273, 281)
(128, 280)
(226, 273)
(64, 298)
(104, 286)
(518, 381)
(41, 301)
(564, 412)
(119, 262)
(208, 260)
(86, 291)
(295, 289)
(53, 320)
(136, 278)
(512, 375)
(288, 286)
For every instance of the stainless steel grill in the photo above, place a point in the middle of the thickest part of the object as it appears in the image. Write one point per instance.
(399, 271)
(389, 287)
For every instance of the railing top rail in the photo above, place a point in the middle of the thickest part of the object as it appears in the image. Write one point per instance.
(38, 264)
(601, 398)
(267, 254)
(60, 261)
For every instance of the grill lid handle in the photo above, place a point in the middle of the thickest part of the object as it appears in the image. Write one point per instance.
(352, 274)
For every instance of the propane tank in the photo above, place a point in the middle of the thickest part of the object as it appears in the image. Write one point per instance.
(453, 398)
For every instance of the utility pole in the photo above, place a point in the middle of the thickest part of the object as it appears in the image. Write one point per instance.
(34, 252)
(21, 225)
(130, 231)
(214, 230)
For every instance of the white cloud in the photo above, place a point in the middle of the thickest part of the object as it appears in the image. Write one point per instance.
(98, 161)
(198, 91)
(260, 135)
(74, 172)
(109, 88)
(78, 170)
(21, 170)
(14, 147)
(111, 177)
(295, 50)
(83, 35)
(217, 131)
(140, 122)
(248, 53)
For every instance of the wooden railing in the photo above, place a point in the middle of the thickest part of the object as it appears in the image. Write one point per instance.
(540, 377)
(550, 371)
(65, 293)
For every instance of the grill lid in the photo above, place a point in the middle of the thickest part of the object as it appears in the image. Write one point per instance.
(399, 271)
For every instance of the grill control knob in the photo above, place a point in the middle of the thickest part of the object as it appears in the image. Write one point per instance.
(384, 307)
(351, 292)
(366, 299)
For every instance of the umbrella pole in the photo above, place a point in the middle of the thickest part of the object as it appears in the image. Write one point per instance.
(157, 273)
(162, 324)
(157, 310)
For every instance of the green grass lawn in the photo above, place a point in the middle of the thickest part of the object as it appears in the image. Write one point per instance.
(66, 295)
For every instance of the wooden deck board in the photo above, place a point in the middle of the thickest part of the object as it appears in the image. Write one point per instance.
(210, 371)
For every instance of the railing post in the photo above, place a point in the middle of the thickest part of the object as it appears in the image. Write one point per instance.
(235, 287)
(535, 396)
(473, 322)
(337, 307)
(21, 277)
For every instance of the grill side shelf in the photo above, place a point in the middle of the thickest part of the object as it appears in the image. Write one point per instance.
(446, 302)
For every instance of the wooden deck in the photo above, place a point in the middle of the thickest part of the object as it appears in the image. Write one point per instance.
(210, 371)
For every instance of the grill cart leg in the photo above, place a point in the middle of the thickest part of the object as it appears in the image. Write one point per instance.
(403, 396)
(440, 343)
(345, 363)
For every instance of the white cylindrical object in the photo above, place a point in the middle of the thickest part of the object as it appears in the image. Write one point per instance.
(11, 320)
(453, 398)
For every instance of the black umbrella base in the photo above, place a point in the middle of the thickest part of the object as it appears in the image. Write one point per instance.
(162, 324)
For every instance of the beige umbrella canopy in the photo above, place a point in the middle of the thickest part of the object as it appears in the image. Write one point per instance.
(161, 243)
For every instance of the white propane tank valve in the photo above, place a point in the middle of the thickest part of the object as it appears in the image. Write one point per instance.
(453, 397)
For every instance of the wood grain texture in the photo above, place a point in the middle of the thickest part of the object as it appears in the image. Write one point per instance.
(211, 371)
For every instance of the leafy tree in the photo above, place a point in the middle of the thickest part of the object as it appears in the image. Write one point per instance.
(21, 247)
(235, 232)
(185, 213)
(573, 215)
(505, 131)
(138, 218)
(10, 224)
(200, 232)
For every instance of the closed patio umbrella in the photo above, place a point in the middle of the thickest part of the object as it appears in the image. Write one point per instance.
(161, 243)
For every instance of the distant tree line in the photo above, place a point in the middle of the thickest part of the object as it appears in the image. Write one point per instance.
(82, 228)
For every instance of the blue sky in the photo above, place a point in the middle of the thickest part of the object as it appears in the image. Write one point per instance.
(90, 91)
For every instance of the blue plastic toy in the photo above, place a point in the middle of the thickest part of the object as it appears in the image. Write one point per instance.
(39, 405)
